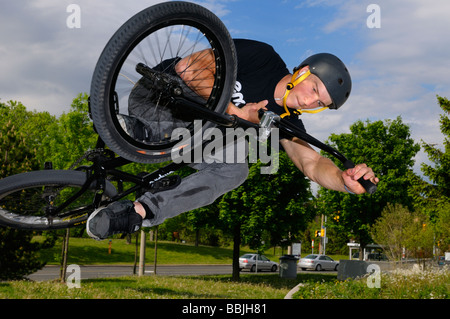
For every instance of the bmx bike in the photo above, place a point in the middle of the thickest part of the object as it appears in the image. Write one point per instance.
(135, 73)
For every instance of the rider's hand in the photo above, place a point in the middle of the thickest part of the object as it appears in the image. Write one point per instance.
(352, 175)
(250, 111)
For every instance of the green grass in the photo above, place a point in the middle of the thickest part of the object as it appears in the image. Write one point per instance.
(154, 287)
(432, 284)
(86, 251)
(399, 284)
(250, 286)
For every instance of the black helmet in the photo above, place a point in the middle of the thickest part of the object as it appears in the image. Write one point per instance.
(334, 75)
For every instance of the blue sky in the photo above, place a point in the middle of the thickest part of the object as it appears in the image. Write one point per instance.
(397, 69)
(294, 28)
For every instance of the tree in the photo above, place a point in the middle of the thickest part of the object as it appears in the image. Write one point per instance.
(389, 149)
(402, 232)
(70, 136)
(266, 207)
(18, 256)
(36, 126)
(439, 174)
(434, 197)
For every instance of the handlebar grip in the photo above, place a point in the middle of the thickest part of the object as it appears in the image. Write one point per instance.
(367, 184)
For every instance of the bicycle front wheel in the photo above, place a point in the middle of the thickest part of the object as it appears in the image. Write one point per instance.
(29, 200)
(134, 112)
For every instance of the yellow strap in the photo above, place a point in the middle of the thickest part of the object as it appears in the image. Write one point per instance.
(313, 111)
(299, 79)
(294, 81)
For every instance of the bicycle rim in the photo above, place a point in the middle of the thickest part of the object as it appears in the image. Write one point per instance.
(29, 200)
(158, 37)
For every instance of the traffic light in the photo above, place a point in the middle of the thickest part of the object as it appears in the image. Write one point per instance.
(317, 233)
(322, 232)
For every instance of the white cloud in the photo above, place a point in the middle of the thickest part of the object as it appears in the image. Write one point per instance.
(44, 63)
(402, 66)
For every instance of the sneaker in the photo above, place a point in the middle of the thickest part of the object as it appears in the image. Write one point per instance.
(116, 218)
(135, 128)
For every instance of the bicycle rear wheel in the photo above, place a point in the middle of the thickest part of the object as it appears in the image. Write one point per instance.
(29, 200)
(122, 99)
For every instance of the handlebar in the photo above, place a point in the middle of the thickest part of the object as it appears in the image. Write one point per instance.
(227, 120)
(293, 130)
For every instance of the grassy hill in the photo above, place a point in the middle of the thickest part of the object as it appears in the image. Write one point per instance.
(85, 251)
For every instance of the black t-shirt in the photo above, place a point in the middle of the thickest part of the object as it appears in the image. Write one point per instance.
(259, 70)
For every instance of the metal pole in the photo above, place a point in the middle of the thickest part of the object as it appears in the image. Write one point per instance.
(64, 256)
(142, 254)
(156, 250)
(325, 236)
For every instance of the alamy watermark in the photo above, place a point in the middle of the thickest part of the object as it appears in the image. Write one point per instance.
(374, 278)
(230, 145)
(74, 279)
(374, 19)
(73, 21)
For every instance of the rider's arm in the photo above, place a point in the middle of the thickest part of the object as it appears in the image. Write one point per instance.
(323, 171)
(316, 167)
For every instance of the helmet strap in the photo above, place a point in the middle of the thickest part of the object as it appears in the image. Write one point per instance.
(313, 111)
(296, 79)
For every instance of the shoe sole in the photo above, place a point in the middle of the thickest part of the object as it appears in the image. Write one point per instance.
(94, 213)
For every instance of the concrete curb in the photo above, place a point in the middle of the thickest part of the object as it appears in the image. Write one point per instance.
(293, 291)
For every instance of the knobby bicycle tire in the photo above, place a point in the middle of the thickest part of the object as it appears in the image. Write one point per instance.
(130, 35)
(23, 197)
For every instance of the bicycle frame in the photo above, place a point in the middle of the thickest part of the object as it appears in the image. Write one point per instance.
(104, 167)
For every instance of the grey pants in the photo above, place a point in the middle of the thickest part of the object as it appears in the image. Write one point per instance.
(197, 190)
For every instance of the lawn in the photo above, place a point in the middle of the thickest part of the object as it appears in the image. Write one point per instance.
(267, 286)
(86, 251)
(431, 284)
(314, 286)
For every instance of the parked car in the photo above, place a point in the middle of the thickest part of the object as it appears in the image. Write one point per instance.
(318, 262)
(372, 256)
(248, 261)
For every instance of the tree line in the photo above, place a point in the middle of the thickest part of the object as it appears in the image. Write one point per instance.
(268, 209)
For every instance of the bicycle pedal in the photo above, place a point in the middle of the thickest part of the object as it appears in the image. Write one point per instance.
(166, 183)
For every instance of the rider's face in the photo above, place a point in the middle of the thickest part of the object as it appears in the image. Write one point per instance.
(309, 94)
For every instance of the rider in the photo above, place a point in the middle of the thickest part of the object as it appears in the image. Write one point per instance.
(263, 82)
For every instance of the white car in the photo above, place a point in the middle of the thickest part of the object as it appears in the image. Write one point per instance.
(248, 261)
(318, 262)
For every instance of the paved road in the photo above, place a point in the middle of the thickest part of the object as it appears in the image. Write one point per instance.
(89, 272)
